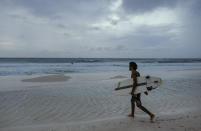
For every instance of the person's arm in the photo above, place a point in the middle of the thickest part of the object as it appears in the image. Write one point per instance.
(134, 84)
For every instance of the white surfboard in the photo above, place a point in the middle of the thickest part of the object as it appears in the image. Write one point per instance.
(145, 84)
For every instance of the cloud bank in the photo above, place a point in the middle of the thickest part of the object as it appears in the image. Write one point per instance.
(94, 28)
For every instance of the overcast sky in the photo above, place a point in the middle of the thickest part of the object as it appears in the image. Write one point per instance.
(100, 28)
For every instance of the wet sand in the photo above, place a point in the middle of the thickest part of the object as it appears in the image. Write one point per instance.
(87, 102)
(164, 123)
(49, 78)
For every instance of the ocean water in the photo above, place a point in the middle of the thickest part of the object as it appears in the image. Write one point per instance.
(31, 66)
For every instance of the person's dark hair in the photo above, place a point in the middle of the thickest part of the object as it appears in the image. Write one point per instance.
(133, 64)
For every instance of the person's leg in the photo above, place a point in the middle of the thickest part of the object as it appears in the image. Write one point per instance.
(132, 107)
(146, 111)
(139, 105)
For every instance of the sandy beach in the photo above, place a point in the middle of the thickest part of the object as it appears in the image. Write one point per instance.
(87, 102)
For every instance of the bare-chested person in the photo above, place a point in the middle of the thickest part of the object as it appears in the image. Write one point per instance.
(136, 97)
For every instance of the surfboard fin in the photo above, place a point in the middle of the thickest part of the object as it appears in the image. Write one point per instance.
(147, 77)
(155, 81)
(149, 88)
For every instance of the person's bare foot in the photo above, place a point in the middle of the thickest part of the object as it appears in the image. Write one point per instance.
(131, 115)
(152, 117)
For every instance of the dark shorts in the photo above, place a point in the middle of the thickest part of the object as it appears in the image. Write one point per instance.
(136, 98)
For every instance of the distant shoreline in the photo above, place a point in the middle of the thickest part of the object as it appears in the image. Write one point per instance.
(95, 58)
(78, 60)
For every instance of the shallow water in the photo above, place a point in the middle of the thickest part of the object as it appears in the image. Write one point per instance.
(91, 97)
(34, 66)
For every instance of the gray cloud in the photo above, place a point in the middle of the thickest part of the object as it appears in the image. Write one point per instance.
(90, 28)
(142, 6)
(52, 8)
(190, 38)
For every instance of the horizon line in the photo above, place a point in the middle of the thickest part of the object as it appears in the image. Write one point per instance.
(99, 58)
